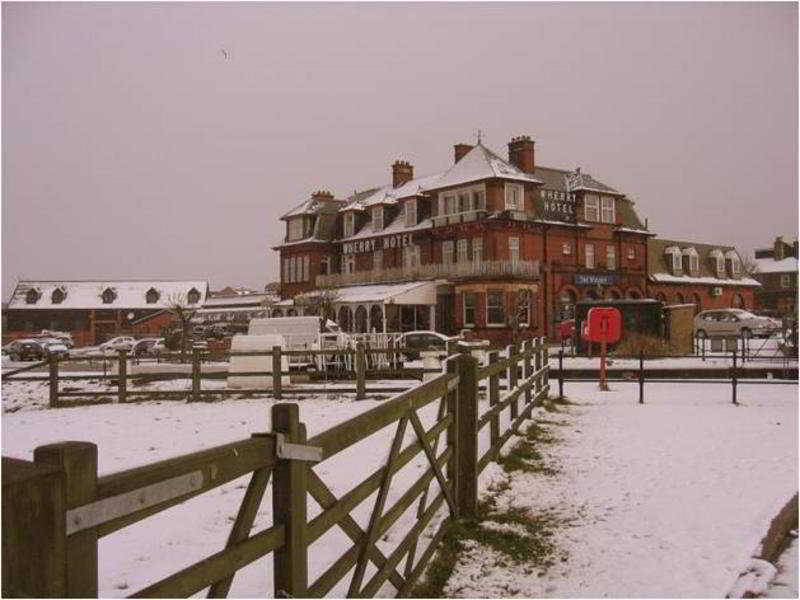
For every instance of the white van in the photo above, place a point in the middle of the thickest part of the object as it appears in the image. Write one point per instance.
(303, 333)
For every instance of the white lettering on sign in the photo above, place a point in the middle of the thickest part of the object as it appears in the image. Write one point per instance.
(392, 241)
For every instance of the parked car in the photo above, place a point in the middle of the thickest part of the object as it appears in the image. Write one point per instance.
(733, 322)
(116, 344)
(415, 342)
(145, 348)
(63, 336)
(53, 346)
(25, 349)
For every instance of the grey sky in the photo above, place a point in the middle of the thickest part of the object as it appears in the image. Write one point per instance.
(133, 148)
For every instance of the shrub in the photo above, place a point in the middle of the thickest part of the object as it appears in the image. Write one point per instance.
(650, 345)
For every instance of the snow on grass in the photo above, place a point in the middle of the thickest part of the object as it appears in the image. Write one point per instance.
(665, 499)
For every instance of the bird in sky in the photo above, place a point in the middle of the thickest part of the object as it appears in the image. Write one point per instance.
(225, 53)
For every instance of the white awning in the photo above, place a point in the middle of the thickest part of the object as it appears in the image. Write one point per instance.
(418, 292)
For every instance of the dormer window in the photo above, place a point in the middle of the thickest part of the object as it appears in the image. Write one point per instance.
(377, 218)
(674, 257)
(591, 208)
(411, 212)
(108, 296)
(608, 213)
(32, 296)
(295, 229)
(734, 264)
(514, 196)
(58, 295)
(152, 296)
(691, 261)
(193, 297)
(349, 223)
(719, 259)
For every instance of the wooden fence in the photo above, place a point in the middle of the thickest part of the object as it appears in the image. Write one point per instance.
(56, 508)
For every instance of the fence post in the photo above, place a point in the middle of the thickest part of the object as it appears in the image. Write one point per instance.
(78, 461)
(733, 376)
(494, 399)
(454, 410)
(277, 368)
(467, 495)
(53, 381)
(123, 376)
(390, 353)
(289, 488)
(361, 365)
(561, 374)
(512, 367)
(195, 375)
(641, 376)
(526, 370)
(539, 347)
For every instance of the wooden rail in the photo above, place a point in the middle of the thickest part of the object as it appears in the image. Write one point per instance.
(73, 508)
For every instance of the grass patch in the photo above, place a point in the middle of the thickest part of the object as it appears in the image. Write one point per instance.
(525, 456)
(534, 548)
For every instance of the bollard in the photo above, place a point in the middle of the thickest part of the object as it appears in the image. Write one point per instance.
(641, 377)
(195, 374)
(361, 384)
(733, 377)
(561, 374)
(53, 381)
(123, 376)
(277, 367)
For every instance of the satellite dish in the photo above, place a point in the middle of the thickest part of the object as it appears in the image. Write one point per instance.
(130, 315)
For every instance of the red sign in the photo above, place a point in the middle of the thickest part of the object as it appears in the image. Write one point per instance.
(604, 325)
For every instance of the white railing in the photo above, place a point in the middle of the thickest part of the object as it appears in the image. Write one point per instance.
(461, 217)
(521, 269)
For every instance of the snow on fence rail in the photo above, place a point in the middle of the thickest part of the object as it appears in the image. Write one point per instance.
(56, 508)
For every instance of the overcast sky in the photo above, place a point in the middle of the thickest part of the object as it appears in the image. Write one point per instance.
(133, 147)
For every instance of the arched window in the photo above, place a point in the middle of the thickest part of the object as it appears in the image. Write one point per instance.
(344, 319)
(361, 320)
(152, 296)
(376, 319)
(193, 297)
(32, 296)
(58, 295)
(673, 256)
(108, 296)
(679, 298)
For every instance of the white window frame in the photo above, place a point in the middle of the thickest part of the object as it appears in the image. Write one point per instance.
(306, 267)
(515, 196)
(611, 258)
(377, 218)
(502, 305)
(514, 249)
(349, 223)
(720, 266)
(349, 263)
(607, 210)
(677, 263)
(588, 254)
(474, 296)
(448, 250)
(477, 249)
(461, 250)
(295, 229)
(786, 281)
(591, 202)
(291, 269)
(566, 248)
(411, 212)
(478, 198)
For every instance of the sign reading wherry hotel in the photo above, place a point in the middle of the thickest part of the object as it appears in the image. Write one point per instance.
(596, 278)
(392, 241)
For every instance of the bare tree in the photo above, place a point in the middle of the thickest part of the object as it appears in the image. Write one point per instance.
(521, 313)
(320, 302)
(749, 266)
(178, 306)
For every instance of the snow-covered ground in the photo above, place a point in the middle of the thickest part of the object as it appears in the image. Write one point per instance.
(668, 498)
(785, 583)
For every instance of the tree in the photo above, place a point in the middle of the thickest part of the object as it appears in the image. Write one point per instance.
(320, 302)
(749, 266)
(178, 306)
(521, 313)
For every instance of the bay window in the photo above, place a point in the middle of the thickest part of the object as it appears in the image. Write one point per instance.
(591, 208)
(608, 213)
(514, 196)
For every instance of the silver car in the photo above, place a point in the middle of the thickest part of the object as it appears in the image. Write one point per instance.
(732, 322)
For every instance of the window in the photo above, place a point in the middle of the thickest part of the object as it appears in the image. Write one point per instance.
(464, 204)
(677, 263)
(611, 258)
(411, 212)
(495, 308)
(411, 256)
(377, 260)
(286, 266)
(291, 269)
(448, 204)
(193, 296)
(478, 200)
(447, 252)
(566, 248)
(591, 210)
(152, 295)
(469, 309)
(377, 218)
(786, 281)
(324, 266)
(108, 296)
(32, 296)
(631, 253)
(349, 223)
(589, 251)
(477, 249)
(608, 209)
(58, 295)
(349, 263)
(513, 249)
(462, 250)
(296, 228)
(736, 266)
(514, 196)
(694, 263)
(306, 269)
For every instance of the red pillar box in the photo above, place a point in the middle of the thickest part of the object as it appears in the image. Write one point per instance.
(604, 325)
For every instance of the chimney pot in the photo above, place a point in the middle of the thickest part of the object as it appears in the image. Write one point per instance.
(521, 153)
(402, 172)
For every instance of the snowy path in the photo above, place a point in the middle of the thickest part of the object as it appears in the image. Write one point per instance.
(669, 499)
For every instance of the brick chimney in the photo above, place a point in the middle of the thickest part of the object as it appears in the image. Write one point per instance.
(520, 153)
(322, 195)
(460, 151)
(402, 172)
(778, 250)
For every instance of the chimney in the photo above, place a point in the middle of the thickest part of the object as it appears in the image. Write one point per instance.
(322, 195)
(402, 172)
(777, 247)
(461, 151)
(520, 153)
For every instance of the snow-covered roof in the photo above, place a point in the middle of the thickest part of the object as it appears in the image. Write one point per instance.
(390, 195)
(417, 292)
(481, 163)
(128, 294)
(311, 206)
(240, 300)
(667, 278)
(578, 181)
(770, 265)
(396, 226)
